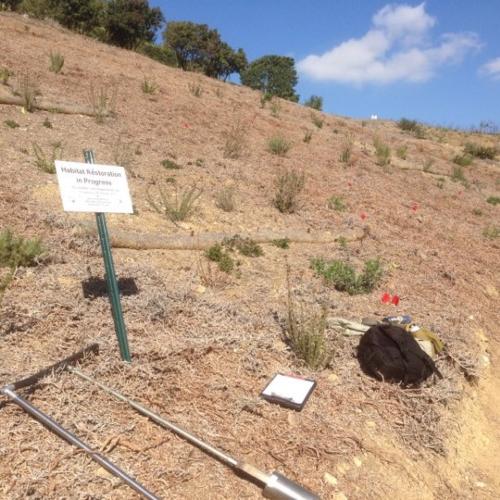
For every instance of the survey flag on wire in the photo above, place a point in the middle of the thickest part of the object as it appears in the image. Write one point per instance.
(88, 187)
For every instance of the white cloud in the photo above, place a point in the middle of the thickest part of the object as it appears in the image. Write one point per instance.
(396, 48)
(491, 68)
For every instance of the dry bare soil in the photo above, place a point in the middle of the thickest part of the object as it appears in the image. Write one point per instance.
(204, 344)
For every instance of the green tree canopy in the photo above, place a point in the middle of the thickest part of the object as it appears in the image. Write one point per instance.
(200, 48)
(273, 75)
(130, 22)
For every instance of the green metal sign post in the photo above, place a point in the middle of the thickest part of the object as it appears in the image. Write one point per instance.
(112, 284)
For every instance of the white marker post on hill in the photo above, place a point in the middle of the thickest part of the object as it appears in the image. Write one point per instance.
(87, 187)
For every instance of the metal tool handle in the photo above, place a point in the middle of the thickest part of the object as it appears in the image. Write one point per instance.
(72, 439)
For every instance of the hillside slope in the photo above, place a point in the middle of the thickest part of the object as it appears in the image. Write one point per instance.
(204, 343)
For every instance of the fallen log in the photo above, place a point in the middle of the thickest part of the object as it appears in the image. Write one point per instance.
(203, 241)
(44, 105)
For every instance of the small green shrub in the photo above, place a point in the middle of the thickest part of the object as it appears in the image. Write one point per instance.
(148, 86)
(236, 143)
(217, 253)
(11, 123)
(382, 152)
(440, 182)
(493, 200)
(176, 207)
(314, 102)
(306, 334)
(5, 74)
(317, 120)
(56, 62)
(16, 251)
(288, 185)
(337, 203)
(463, 160)
(162, 54)
(477, 211)
(283, 243)
(342, 241)
(225, 199)
(491, 232)
(196, 89)
(480, 151)
(245, 246)
(308, 136)
(343, 277)
(401, 152)
(47, 123)
(102, 101)
(278, 145)
(44, 162)
(170, 164)
(412, 126)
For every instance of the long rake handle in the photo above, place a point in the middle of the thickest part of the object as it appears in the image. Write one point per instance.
(72, 439)
(223, 457)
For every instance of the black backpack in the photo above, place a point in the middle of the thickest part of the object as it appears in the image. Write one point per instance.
(388, 352)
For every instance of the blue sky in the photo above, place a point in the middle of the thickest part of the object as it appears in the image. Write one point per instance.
(438, 61)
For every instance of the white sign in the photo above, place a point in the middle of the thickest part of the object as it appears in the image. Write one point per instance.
(86, 187)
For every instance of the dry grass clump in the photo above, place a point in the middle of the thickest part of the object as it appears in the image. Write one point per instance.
(278, 145)
(225, 199)
(288, 186)
(235, 144)
(44, 162)
(102, 100)
(56, 62)
(28, 91)
(306, 333)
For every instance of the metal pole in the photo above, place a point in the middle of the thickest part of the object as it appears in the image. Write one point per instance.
(72, 439)
(113, 290)
(276, 486)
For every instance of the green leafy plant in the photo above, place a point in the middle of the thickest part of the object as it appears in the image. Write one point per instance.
(245, 246)
(47, 123)
(177, 206)
(463, 160)
(401, 152)
(493, 200)
(170, 164)
(278, 145)
(342, 241)
(288, 186)
(314, 102)
(102, 101)
(477, 211)
(16, 251)
(480, 151)
(148, 86)
(235, 143)
(217, 253)
(337, 203)
(44, 162)
(305, 333)
(317, 120)
(56, 62)
(491, 232)
(11, 123)
(382, 152)
(343, 277)
(283, 243)
(225, 199)
(308, 136)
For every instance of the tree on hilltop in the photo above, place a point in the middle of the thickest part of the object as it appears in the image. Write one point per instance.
(200, 48)
(273, 75)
